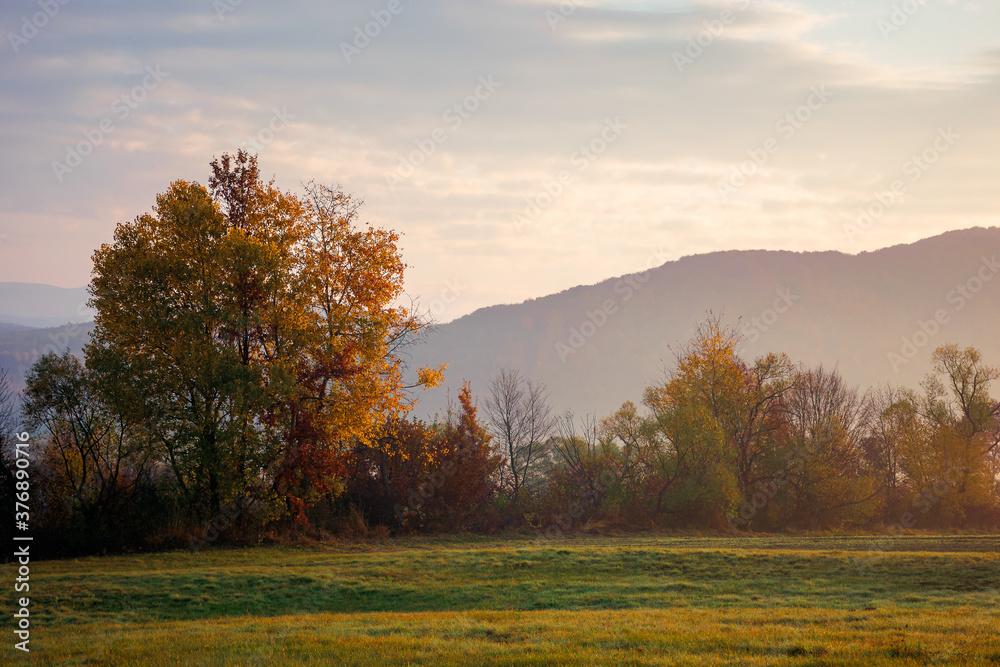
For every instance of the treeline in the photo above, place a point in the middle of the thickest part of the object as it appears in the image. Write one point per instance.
(729, 444)
(719, 444)
(246, 376)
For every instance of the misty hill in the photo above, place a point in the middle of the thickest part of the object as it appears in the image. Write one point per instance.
(596, 346)
(21, 346)
(34, 305)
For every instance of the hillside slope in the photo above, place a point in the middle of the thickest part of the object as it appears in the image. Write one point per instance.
(34, 305)
(599, 345)
(20, 346)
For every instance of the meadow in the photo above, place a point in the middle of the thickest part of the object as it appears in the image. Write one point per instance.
(637, 600)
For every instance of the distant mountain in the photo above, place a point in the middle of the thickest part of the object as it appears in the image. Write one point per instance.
(20, 346)
(877, 315)
(8, 327)
(34, 305)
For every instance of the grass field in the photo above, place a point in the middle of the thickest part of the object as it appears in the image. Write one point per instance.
(480, 601)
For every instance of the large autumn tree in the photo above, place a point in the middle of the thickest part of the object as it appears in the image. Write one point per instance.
(252, 333)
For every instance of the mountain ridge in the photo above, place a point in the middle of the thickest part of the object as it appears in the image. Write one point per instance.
(883, 295)
(598, 345)
(43, 306)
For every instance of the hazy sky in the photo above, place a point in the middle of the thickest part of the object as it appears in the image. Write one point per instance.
(522, 147)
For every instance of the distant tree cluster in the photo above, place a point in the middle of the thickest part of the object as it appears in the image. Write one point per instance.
(246, 374)
(723, 443)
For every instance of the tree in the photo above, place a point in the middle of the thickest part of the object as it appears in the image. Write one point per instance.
(421, 476)
(935, 453)
(257, 333)
(94, 459)
(349, 366)
(954, 470)
(691, 470)
(890, 420)
(714, 396)
(825, 482)
(521, 420)
(971, 409)
(581, 469)
(477, 465)
(169, 319)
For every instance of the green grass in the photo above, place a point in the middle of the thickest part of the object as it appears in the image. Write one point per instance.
(698, 601)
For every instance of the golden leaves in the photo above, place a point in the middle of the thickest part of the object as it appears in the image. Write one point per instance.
(260, 325)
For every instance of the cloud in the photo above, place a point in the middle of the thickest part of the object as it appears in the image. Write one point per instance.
(356, 122)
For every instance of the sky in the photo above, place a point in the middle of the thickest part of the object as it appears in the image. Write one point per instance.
(521, 147)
